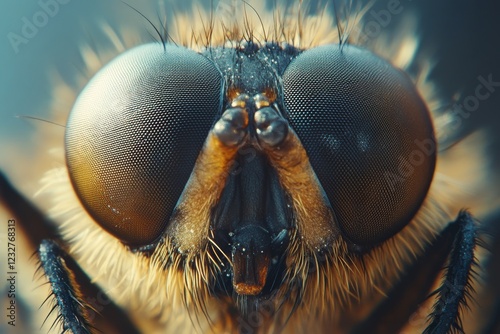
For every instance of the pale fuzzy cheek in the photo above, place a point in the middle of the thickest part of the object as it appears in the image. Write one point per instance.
(131, 281)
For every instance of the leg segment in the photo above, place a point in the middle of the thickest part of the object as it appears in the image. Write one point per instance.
(456, 286)
(456, 243)
(63, 270)
(72, 310)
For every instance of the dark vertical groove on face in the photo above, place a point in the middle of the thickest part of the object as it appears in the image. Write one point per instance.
(252, 218)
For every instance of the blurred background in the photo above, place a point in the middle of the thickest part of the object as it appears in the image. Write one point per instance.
(462, 37)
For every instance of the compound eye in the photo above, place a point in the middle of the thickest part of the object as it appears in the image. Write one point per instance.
(134, 134)
(368, 135)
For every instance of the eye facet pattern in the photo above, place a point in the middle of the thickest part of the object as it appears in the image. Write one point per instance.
(364, 127)
(134, 135)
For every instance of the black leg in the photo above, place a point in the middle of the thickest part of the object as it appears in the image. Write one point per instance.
(103, 313)
(456, 242)
(456, 286)
(84, 305)
(71, 307)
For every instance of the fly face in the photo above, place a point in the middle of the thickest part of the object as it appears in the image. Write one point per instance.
(281, 131)
(258, 178)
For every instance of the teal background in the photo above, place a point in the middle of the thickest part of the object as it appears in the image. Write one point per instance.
(462, 37)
